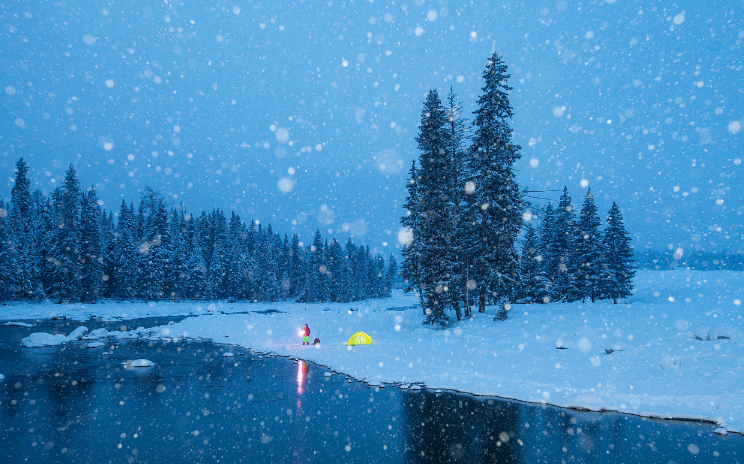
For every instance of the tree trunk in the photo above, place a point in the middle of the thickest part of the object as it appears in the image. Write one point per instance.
(458, 313)
(482, 289)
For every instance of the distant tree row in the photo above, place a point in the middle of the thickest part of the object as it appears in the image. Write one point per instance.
(67, 248)
(570, 259)
(464, 207)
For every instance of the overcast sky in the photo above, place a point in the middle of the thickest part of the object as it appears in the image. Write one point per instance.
(303, 114)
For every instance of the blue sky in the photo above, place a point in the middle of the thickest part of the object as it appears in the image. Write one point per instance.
(303, 114)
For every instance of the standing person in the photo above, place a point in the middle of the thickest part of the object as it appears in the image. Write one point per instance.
(306, 335)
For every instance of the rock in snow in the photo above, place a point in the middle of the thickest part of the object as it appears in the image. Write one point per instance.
(42, 339)
(78, 333)
(227, 354)
(95, 345)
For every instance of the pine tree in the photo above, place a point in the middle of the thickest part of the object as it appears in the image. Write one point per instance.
(197, 269)
(178, 275)
(296, 268)
(589, 253)
(619, 257)
(44, 232)
(91, 260)
(436, 228)
(66, 243)
(391, 276)
(532, 278)
(28, 283)
(154, 253)
(564, 272)
(462, 242)
(7, 261)
(496, 201)
(217, 268)
(548, 251)
(126, 254)
(312, 291)
(411, 221)
(336, 271)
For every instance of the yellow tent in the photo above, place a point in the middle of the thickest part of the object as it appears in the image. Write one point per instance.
(359, 338)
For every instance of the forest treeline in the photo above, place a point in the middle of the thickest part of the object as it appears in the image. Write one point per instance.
(465, 212)
(68, 248)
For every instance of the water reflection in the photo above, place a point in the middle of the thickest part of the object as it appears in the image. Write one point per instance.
(301, 372)
(445, 428)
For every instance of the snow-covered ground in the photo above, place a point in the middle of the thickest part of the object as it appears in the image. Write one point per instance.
(675, 349)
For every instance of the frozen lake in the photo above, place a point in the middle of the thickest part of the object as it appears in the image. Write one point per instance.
(72, 404)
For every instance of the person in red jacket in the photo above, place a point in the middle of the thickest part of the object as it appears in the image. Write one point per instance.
(306, 335)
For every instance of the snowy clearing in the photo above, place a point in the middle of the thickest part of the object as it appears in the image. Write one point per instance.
(673, 350)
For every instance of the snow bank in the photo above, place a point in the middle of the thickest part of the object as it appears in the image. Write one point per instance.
(2, 377)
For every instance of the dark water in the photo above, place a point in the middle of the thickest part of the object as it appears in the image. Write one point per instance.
(71, 404)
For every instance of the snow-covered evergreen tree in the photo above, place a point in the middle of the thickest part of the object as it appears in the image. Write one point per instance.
(296, 271)
(391, 276)
(589, 252)
(178, 275)
(436, 228)
(66, 242)
(217, 267)
(495, 203)
(7, 261)
(27, 282)
(564, 273)
(336, 271)
(410, 269)
(532, 278)
(315, 267)
(197, 269)
(548, 251)
(462, 246)
(91, 259)
(154, 253)
(619, 257)
(126, 254)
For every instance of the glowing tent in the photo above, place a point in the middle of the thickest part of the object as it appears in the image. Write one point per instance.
(359, 338)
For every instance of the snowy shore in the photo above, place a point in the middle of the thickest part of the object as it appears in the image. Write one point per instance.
(673, 350)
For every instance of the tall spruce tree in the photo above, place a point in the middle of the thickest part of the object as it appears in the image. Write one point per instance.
(533, 286)
(564, 241)
(66, 242)
(589, 253)
(28, 283)
(7, 261)
(619, 257)
(495, 203)
(548, 251)
(91, 259)
(127, 253)
(437, 225)
(462, 246)
(411, 220)
(154, 253)
(391, 276)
